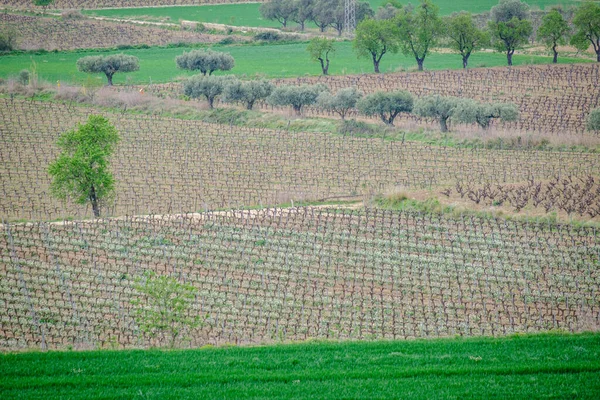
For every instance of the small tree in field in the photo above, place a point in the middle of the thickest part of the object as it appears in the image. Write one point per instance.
(205, 61)
(296, 96)
(108, 65)
(8, 39)
(374, 39)
(386, 105)
(465, 37)
(554, 31)
(162, 307)
(438, 107)
(587, 28)
(341, 102)
(593, 121)
(319, 50)
(470, 111)
(208, 86)
(81, 170)
(247, 92)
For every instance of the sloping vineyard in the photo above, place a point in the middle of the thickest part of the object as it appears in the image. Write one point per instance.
(91, 4)
(69, 34)
(293, 274)
(166, 165)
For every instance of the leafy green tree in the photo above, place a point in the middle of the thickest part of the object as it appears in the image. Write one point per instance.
(587, 25)
(163, 307)
(208, 86)
(302, 12)
(319, 50)
(341, 102)
(419, 30)
(465, 37)
(386, 105)
(109, 65)
(470, 111)
(81, 170)
(593, 121)
(277, 10)
(554, 31)
(296, 96)
(374, 39)
(509, 26)
(43, 3)
(438, 107)
(8, 39)
(247, 92)
(206, 61)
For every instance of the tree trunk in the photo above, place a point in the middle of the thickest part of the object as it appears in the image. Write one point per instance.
(94, 201)
(509, 55)
(109, 77)
(444, 124)
(211, 101)
(297, 109)
(555, 59)
(324, 66)
(420, 63)
(249, 105)
(376, 64)
(465, 61)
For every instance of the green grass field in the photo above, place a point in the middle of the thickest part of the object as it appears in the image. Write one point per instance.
(248, 14)
(527, 367)
(287, 60)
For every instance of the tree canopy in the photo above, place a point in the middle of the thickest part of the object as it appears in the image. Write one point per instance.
(419, 30)
(247, 92)
(81, 170)
(208, 86)
(376, 38)
(341, 102)
(386, 105)
(109, 65)
(593, 121)
(587, 26)
(465, 37)
(470, 111)
(296, 96)
(206, 61)
(438, 107)
(554, 31)
(319, 50)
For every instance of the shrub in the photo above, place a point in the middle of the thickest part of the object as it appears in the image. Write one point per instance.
(268, 36)
(593, 120)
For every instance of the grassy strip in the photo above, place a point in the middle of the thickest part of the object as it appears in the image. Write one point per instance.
(557, 366)
(157, 65)
(248, 14)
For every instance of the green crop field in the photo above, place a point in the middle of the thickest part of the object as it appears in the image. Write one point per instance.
(248, 14)
(545, 366)
(287, 60)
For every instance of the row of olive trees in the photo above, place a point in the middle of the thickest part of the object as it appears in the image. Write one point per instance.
(323, 13)
(206, 61)
(416, 30)
(385, 105)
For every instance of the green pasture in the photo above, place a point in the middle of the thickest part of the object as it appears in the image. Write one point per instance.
(524, 367)
(157, 65)
(247, 14)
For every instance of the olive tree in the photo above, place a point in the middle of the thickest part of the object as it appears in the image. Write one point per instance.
(362, 12)
(470, 111)
(509, 26)
(81, 171)
(296, 96)
(247, 92)
(554, 31)
(341, 102)
(205, 86)
(438, 107)
(374, 39)
(465, 37)
(319, 50)
(206, 61)
(163, 307)
(386, 105)
(109, 65)
(593, 120)
(587, 28)
(419, 30)
(8, 39)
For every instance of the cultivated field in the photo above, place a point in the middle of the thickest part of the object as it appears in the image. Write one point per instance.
(294, 274)
(165, 165)
(68, 34)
